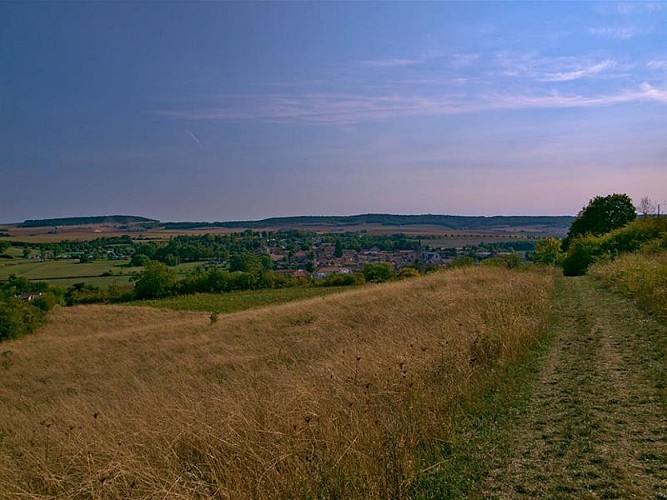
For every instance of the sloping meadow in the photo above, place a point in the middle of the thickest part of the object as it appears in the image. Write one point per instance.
(344, 396)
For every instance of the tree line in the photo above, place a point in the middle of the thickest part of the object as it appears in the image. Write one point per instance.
(605, 228)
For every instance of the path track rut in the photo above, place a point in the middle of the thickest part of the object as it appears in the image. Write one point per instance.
(596, 425)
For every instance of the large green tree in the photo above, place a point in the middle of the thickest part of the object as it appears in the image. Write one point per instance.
(602, 215)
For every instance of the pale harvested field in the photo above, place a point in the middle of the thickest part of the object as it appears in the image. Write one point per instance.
(91, 232)
(341, 396)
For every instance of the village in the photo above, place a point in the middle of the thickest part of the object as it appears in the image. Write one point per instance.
(300, 254)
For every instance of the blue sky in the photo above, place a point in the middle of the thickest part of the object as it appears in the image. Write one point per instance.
(220, 111)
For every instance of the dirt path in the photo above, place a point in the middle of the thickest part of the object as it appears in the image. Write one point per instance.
(596, 425)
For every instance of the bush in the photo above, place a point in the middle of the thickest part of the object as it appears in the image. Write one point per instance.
(461, 262)
(587, 250)
(547, 252)
(340, 279)
(82, 293)
(510, 261)
(583, 252)
(18, 318)
(408, 272)
(45, 303)
(139, 259)
(377, 273)
(155, 281)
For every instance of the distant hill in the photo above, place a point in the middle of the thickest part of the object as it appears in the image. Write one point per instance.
(76, 221)
(448, 221)
(543, 224)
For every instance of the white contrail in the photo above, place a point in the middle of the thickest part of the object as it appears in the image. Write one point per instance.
(194, 138)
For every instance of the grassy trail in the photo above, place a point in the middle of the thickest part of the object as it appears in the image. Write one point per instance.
(596, 424)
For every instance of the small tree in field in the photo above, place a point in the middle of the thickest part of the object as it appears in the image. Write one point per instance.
(155, 281)
(602, 215)
(547, 251)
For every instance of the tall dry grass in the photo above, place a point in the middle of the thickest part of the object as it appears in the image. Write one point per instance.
(642, 276)
(343, 396)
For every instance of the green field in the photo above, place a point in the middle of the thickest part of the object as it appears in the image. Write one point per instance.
(238, 301)
(58, 269)
(65, 272)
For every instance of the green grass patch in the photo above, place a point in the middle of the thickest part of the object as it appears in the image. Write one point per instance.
(70, 268)
(66, 272)
(238, 301)
(15, 252)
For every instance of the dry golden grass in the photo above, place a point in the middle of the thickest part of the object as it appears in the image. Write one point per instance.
(341, 396)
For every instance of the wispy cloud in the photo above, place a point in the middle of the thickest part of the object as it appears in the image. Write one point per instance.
(465, 59)
(619, 32)
(629, 8)
(554, 69)
(356, 108)
(645, 92)
(657, 64)
(567, 76)
(391, 62)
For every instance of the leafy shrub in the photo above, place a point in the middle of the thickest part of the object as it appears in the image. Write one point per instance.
(462, 262)
(82, 293)
(46, 302)
(377, 273)
(408, 272)
(510, 261)
(139, 259)
(587, 250)
(339, 279)
(155, 281)
(18, 318)
(583, 252)
(547, 251)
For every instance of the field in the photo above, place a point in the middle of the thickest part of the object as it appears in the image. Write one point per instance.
(353, 395)
(238, 301)
(448, 237)
(65, 272)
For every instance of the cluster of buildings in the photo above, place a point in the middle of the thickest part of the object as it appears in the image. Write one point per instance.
(324, 259)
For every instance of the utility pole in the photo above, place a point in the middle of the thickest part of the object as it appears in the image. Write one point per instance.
(663, 204)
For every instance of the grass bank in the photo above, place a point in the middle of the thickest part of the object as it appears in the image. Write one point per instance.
(240, 300)
(354, 395)
(643, 277)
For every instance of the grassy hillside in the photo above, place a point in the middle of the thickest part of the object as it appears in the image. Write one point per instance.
(642, 277)
(350, 395)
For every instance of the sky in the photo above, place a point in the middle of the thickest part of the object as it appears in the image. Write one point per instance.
(214, 111)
